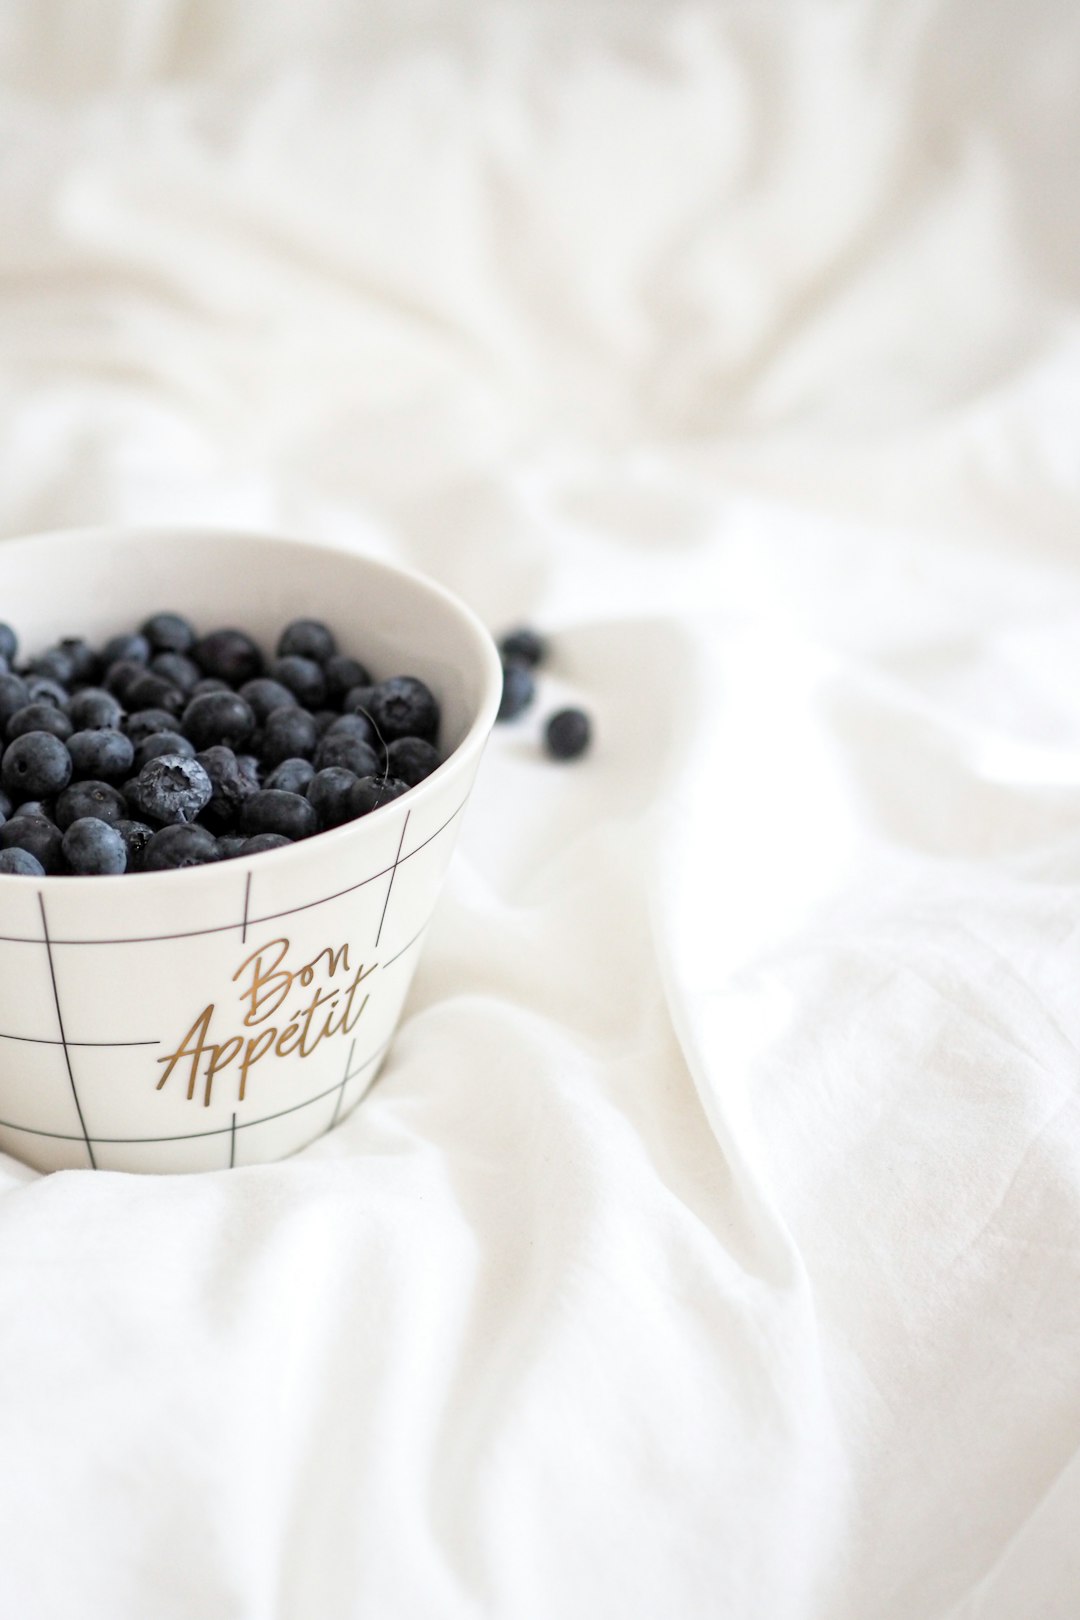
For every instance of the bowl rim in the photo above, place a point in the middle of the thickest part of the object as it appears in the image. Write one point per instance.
(469, 748)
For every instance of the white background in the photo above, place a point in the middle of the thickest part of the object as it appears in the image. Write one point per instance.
(708, 1249)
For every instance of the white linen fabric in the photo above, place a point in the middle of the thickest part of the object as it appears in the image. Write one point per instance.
(709, 1246)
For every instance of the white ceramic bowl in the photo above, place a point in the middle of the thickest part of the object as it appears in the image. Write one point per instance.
(228, 1014)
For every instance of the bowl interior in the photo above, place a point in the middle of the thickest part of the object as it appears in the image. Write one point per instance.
(98, 582)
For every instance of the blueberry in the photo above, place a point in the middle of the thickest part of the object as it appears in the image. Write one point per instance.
(328, 791)
(324, 719)
(20, 863)
(120, 677)
(170, 788)
(303, 677)
(307, 638)
(144, 722)
(369, 792)
(264, 841)
(162, 742)
(36, 807)
(229, 784)
(289, 734)
(518, 691)
(168, 632)
(230, 845)
(86, 665)
(136, 836)
(9, 643)
(404, 707)
(567, 734)
(342, 673)
(98, 799)
(273, 811)
(291, 776)
(6, 805)
(13, 696)
(37, 835)
(174, 667)
(523, 646)
(209, 683)
(133, 649)
(263, 696)
(107, 755)
(176, 846)
(354, 725)
(39, 717)
(42, 689)
(358, 698)
(93, 708)
(54, 665)
(230, 655)
(218, 717)
(94, 849)
(410, 759)
(249, 766)
(35, 765)
(342, 749)
(151, 691)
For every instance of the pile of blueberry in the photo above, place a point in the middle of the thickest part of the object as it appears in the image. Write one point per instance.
(166, 749)
(567, 732)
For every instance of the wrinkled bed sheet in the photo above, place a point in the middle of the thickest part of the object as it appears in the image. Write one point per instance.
(708, 1248)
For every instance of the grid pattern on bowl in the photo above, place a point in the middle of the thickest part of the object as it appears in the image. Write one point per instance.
(63, 1043)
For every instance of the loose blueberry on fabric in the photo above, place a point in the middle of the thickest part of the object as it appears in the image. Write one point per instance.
(523, 646)
(567, 734)
(519, 689)
(165, 748)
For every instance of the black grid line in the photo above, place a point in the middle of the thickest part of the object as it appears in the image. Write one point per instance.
(253, 922)
(63, 1041)
(247, 902)
(51, 1040)
(393, 875)
(341, 1089)
(191, 1136)
(392, 959)
(350, 1111)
